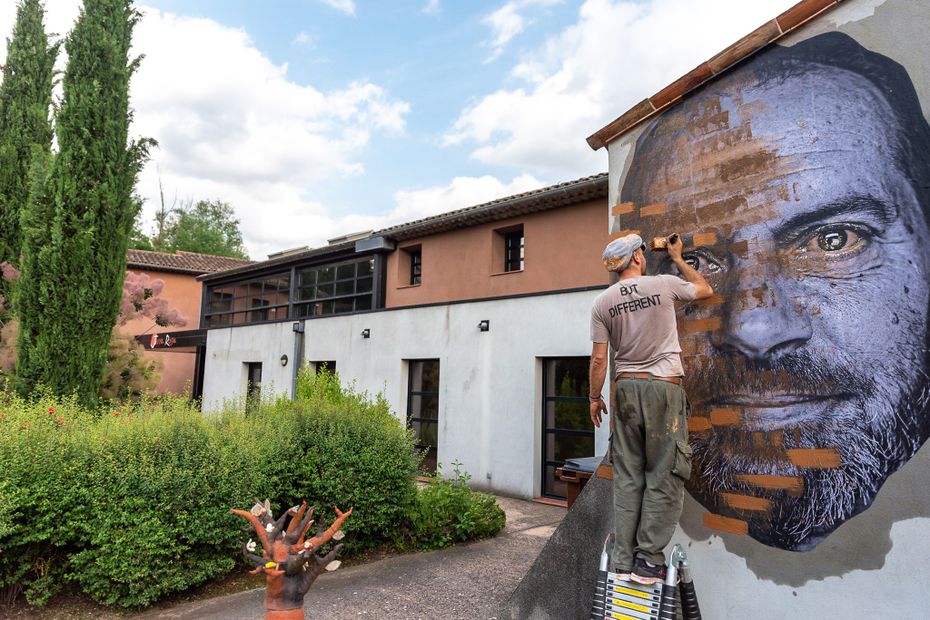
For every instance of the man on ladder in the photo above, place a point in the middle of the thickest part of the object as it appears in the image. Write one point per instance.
(649, 443)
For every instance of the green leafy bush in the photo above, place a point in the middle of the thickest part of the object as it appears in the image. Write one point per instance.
(132, 504)
(352, 452)
(447, 511)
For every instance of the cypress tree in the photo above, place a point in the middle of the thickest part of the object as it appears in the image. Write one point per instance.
(25, 101)
(74, 271)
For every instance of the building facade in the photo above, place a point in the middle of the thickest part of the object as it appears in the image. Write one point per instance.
(796, 166)
(472, 324)
(179, 361)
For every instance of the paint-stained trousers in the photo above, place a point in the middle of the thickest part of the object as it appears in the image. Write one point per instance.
(651, 462)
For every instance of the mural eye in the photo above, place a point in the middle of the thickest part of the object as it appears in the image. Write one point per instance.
(837, 241)
(702, 263)
(832, 240)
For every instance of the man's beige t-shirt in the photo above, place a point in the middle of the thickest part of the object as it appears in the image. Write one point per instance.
(637, 317)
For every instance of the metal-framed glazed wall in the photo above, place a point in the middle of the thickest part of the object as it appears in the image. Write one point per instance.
(275, 294)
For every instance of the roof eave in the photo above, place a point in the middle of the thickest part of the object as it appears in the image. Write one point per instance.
(760, 38)
(548, 199)
(282, 262)
(142, 266)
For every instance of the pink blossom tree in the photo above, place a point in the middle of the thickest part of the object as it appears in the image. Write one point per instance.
(141, 299)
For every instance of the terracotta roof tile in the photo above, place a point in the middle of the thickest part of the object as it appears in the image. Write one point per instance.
(181, 262)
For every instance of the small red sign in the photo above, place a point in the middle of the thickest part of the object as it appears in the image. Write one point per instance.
(162, 341)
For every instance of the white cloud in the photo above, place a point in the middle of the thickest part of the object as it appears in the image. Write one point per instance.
(460, 192)
(508, 21)
(343, 6)
(304, 40)
(232, 126)
(60, 15)
(431, 7)
(617, 53)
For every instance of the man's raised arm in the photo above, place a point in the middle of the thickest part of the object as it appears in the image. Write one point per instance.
(688, 272)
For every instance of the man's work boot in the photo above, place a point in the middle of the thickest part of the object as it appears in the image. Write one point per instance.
(647, 573)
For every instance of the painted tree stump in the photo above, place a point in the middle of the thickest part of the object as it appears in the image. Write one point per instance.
(289, 561)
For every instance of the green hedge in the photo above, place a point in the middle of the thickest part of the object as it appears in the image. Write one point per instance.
(132, 505)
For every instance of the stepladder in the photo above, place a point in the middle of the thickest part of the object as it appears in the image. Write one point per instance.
(619, 599)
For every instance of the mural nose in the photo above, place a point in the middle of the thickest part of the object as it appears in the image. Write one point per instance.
(767, 330)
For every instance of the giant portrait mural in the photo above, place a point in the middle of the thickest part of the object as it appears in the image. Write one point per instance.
(800, 181)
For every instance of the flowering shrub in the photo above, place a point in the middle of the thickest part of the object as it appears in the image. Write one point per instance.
(141, 299)
(127, 373)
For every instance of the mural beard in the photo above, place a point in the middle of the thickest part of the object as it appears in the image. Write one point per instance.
(878, 428)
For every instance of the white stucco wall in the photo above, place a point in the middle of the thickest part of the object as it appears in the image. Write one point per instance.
(490, 402)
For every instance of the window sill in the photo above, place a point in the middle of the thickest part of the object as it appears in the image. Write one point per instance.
(409, 286)
(506, 273)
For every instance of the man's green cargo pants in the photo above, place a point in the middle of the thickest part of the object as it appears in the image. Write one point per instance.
(651, 462)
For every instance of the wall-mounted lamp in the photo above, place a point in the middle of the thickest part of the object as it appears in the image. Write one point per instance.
(298, 327)
(284, 360)
(366, 333)
(484, 325)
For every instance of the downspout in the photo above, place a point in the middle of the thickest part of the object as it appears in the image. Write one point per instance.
(298, 328)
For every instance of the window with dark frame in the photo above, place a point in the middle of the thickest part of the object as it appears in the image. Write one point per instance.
(567, 431)
(416, 266)
(254, 300)
(338, 288)
(513, 250)
(219, 306)
(253, 386)
(423, 408)
(260, 314)
(329, 366)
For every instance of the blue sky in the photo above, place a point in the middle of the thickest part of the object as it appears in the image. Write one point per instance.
(316, 118)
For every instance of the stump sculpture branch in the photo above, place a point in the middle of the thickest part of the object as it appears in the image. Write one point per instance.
(289, 561)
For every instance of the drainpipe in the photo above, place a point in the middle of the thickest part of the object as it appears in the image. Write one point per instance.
(298, 328)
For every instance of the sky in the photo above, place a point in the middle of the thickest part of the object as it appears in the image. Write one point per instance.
(319, 118)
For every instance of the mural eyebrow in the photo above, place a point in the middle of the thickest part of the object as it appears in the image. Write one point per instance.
(877, 209)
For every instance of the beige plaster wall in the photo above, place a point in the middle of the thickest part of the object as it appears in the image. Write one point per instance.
(562, 250)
